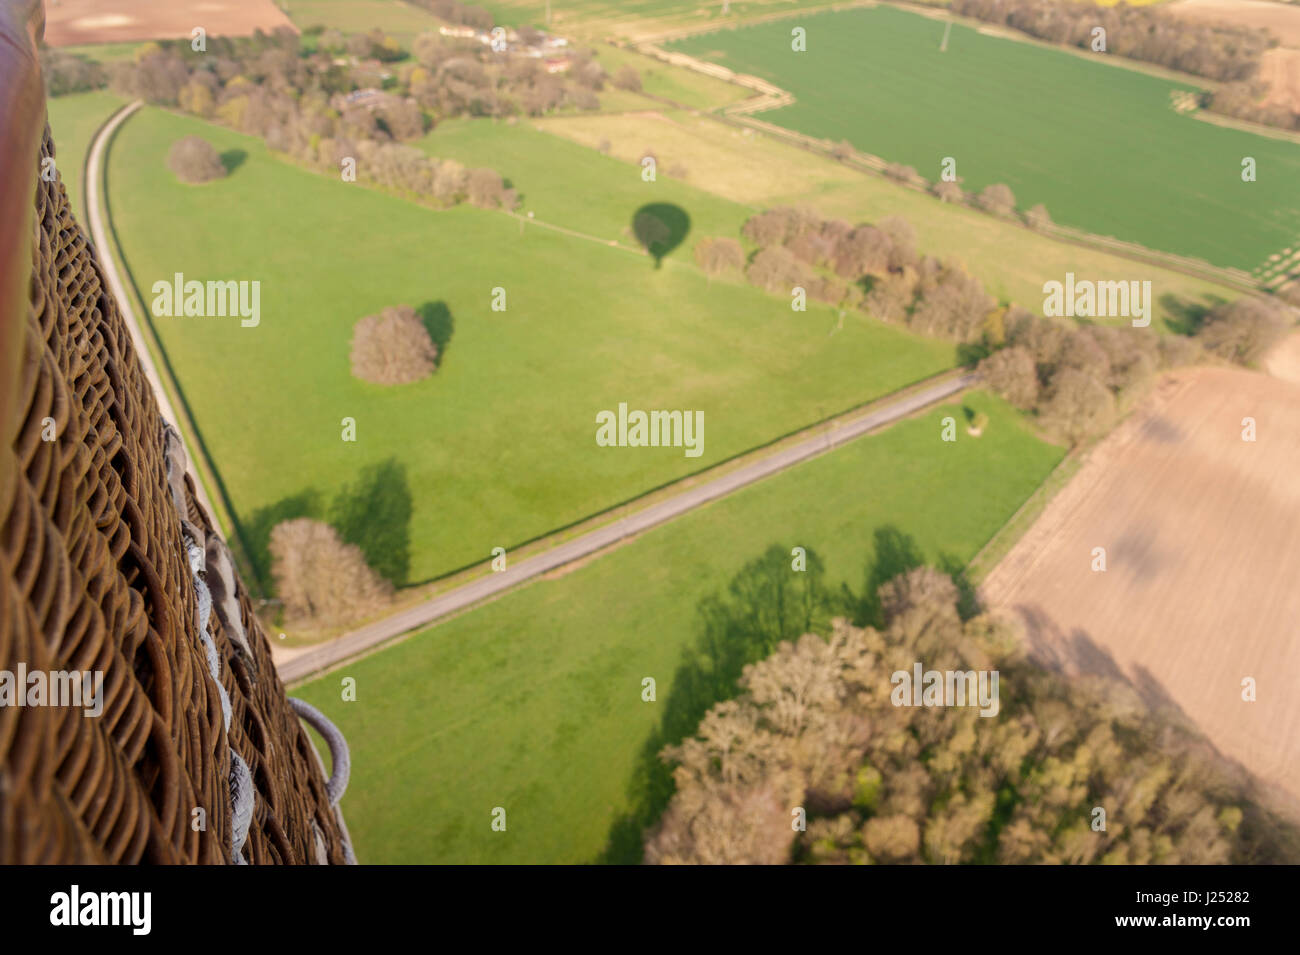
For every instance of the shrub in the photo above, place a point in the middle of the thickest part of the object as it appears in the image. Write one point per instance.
(717, 255)
(392, 348)
(627, 79)
(949, 191)
(998, 199)
(1011, 373)
(194, 160)
(322, 581)
(1244, 330)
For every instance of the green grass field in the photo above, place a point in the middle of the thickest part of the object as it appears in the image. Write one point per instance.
(1099, 145)
(675, 83)
(756, 171)
(73, 121)
(498, 447)
(634, 18)
(578, 188)
(401, 21)
(532, 703)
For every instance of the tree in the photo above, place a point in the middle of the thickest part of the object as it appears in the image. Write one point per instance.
(902, 241)
(393, 347)
(716, 255)
(322, 581)
(627, 79)
(1037, 218)
(1011, 373)
(998, 199)
(1243, 331)
(817, 725)
(777, 271)
(1077, 405)
(951, 304)
(864, 251)
(194, 160)
(486, 188)
(949, 191)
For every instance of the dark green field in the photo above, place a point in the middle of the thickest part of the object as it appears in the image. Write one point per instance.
(1100, 146)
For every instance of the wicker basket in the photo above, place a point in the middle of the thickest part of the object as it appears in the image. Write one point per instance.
(95, 576)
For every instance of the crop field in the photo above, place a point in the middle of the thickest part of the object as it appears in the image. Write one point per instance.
(73, 22)
(73, 121)
(1199, 529)
(1100, 146)
(498, 446)
(533, 702)
(635, 19)
(758, 172)
(402, 21)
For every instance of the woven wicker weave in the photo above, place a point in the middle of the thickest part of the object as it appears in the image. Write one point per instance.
(94, 576)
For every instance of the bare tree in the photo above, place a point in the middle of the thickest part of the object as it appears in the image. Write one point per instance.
(322, 581)
(393, 347)
(998, 199)
(194, 160)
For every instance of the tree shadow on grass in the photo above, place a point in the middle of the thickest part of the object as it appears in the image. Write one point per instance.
(1186, 315)
(257, 530)
(374, 513)
(440, 325)
(232, 159)
(766, 602)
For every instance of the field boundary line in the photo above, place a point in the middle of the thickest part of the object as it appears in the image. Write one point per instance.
(375, 635)
(95, 176)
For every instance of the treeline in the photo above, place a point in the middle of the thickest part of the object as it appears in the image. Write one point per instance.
(815, 733)
(1074, 378)
(1220, 51)
(875, 267)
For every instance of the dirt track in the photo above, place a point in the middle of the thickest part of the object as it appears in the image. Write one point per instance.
(71, 22)
(1202, 585)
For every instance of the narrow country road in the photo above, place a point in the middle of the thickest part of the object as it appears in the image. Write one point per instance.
(358, 641)
(340, 649)
(99, 237)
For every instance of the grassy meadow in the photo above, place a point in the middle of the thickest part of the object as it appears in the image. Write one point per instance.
(1100, 146)
(532, 702)
(73, 122)
(758, 172)
(498, 446)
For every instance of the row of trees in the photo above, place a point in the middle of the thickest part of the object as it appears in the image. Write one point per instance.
(814, 731)
(872, 266)
(1076, 378)
(1221, 51)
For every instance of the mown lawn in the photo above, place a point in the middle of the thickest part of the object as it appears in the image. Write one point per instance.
(498, 447)
(533, 703)
(73, 122)
(1101, 146)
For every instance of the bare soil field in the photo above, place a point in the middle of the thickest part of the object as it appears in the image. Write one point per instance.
(1280, 68)
(1202, 582)
(74, 22)
(1281, 18)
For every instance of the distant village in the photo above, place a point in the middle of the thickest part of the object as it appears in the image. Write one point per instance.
(534, 44)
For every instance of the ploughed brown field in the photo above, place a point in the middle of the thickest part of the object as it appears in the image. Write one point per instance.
(1280, 69)
(72, 22)
(1202, 580)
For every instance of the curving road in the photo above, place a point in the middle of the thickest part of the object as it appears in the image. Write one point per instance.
(99, 238)
(358, 641)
